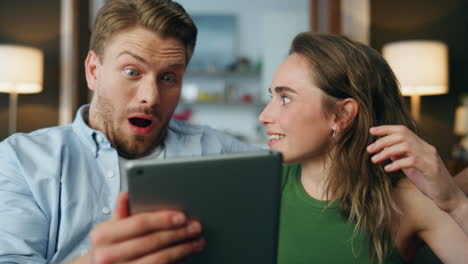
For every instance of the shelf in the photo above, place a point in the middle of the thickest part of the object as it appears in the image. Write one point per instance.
(223, 74)
(223, 102)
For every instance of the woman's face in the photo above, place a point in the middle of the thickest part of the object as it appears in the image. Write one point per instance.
(295, 119)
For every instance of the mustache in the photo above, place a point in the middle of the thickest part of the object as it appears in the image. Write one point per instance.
(145, 110)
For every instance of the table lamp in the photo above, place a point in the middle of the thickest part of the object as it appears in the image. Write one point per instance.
(461, 128)
(421, 67)
(21, 70)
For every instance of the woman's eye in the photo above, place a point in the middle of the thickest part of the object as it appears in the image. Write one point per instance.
(285, 100)
(131, 72)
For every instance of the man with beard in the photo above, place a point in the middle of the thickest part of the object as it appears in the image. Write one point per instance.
(58, 185)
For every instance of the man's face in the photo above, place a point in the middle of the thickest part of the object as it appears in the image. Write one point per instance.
(137, 84)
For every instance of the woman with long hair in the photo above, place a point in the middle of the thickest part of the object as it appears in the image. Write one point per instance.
(339, 203)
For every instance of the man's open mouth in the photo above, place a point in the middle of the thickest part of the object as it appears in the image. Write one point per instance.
(140, 122)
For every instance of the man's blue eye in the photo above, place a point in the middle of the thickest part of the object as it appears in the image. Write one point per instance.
(168, 77)
(131, 72)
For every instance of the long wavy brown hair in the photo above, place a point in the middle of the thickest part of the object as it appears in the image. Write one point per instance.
(343, 68)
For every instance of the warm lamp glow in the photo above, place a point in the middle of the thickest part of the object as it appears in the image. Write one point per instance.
(21, 69)
(461, 121)
(461, 129)
(420, 66)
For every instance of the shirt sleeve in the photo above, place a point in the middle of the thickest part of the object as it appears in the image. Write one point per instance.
(229, 144)
(24, 227)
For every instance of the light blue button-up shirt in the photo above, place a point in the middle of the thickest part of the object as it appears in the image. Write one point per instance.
(57, 183)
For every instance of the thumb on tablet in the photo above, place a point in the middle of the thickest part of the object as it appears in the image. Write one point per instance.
(121, 207)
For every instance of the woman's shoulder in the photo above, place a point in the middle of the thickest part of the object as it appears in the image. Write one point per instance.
(414, 205)
(410, 199)
(421, 218)
(407, 224)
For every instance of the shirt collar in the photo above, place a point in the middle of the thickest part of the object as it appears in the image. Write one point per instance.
(178, 142)
(93, 139)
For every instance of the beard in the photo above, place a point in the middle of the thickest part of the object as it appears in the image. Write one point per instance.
(105, 119)
(137, 146)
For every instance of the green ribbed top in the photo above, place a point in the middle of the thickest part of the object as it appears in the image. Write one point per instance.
(311, 234)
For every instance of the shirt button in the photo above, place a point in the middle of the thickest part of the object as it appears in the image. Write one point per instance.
(93, 149)
(106, 210)
(83, 252)
(99, 138)
(110, 174)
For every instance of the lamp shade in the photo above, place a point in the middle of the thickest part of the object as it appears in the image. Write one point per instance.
(21, 69)
(421, 66)
(461, 120)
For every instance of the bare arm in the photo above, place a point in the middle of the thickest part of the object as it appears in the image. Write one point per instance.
(420, 217)
(423, 167)
(158, 237)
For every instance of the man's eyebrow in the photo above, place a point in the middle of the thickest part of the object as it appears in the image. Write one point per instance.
(176, 64)
(138, 58)
(282, 89)
(142, 60)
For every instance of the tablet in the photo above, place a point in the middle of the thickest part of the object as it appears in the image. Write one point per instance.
(236, 198)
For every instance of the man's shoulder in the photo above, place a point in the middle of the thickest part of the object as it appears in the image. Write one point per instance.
(185, 128)
(41, 136)
(206, 140)
(188, 129)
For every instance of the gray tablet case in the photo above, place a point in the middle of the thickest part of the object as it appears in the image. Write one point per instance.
(236, 197)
